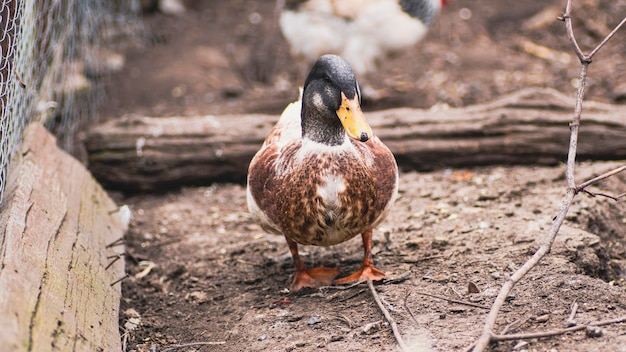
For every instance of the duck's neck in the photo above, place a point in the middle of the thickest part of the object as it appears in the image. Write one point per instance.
(322, 129)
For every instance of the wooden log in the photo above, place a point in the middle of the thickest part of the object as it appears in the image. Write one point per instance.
(55, 277)
(527, 127)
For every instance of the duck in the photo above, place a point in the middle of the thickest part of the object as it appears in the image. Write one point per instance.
(364, 32)
(322, 176)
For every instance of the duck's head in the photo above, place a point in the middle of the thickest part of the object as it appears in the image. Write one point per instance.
(331, 103)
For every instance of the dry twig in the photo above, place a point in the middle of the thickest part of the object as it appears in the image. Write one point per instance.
(209, 343)
(120, 280)
(19, 79)
(549, 333)
(390, 320)
(514, 325)
(406, 307)
(585, 59)
(118, 242)
(597, 179)
(594, 194)
(451, 300)
(340, 287)
(115, 259)
(570, 320)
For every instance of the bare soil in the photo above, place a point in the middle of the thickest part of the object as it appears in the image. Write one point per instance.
(201, 271)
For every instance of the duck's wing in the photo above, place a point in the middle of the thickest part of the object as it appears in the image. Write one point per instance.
(263, 167)
(288, 128)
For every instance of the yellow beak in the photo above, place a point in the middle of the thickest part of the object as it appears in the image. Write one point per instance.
(353, 120)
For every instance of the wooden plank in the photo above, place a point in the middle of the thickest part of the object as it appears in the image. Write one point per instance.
(55, 292)
(527, 127)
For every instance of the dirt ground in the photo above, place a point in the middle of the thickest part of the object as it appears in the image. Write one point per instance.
(203, 273)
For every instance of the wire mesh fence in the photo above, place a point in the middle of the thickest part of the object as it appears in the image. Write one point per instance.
(52, 54)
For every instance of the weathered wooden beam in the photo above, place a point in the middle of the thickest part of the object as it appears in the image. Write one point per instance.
(55, 277)
(527, 127)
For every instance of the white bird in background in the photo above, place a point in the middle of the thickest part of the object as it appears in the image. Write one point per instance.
(363, 32)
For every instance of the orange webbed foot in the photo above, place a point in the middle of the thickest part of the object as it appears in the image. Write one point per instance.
(366, 272)
(313, 278)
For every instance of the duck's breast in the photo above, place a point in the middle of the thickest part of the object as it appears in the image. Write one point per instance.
(322, 195)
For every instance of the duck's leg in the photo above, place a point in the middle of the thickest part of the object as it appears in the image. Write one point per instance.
(367, 271)
(306, 277)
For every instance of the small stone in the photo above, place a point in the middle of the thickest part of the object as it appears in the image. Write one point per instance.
(594, 331)
(294, 318)
(371, 328)
(198, 296)
(131, 313)
(497, 275)
(520, 344)
(542, 318)
(457, 309)
(336, 338)
(475, 298)
(314, 320)
(132, 324)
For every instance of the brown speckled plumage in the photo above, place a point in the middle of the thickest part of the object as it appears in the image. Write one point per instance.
(290, 201)
(314, 184)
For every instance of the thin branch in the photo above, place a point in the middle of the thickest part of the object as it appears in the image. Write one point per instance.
(391, 280)
(570, 31)
(608, 37)
(584, 58)
(115, 259)
(352, 295)
(487, 335)
(549, 333)
(597, 179)
(19, 79)
(544, 249)
(406, 307)
(392, 322)
(339, 287)
(570, 320)
(118, 242)
(120, 280)
(514, 325)
(449, 299)
(595, 194)
(210, 343)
